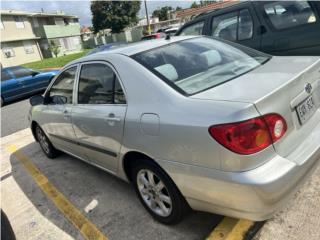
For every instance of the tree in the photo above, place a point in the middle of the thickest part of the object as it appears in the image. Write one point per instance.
(54, 48)
(162, 13)
(178, 8)
(115, 15)
(194, 5)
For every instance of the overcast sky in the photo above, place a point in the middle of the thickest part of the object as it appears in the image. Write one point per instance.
(80, 8)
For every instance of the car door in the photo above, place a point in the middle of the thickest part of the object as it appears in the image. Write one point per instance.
(237, 25)
(292, 27)
(56, 114)
(99, 113)
(10, 87)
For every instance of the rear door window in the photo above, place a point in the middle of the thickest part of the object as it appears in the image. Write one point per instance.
(98, 84)
(288, 14)
(233, 26)
(193, 29)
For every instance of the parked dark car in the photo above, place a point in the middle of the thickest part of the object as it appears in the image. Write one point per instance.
(277, 27)
(106, 47)
(17, 82)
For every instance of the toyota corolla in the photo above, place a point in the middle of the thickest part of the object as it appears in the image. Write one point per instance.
(191, 122)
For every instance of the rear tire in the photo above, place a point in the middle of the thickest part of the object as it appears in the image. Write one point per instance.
(157, 193)
(49, 150)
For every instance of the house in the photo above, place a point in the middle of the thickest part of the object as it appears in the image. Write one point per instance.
(27, 36)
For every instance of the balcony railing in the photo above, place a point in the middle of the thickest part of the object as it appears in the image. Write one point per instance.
(56, 31)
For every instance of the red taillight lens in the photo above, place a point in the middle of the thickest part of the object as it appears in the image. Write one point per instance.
(250, 136)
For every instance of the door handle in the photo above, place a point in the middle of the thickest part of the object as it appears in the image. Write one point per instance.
(112, 118)
(66, 114)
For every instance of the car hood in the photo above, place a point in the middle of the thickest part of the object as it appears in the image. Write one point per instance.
(260, 82)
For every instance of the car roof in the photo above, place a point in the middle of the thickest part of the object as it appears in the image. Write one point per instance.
(134, 48)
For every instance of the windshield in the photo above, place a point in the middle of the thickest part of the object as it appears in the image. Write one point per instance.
(197, 64)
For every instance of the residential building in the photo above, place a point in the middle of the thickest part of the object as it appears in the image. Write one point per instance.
(19, 44)
(27, 37)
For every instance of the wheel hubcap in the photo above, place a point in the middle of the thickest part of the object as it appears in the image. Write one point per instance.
(43, 140)
(154, 193)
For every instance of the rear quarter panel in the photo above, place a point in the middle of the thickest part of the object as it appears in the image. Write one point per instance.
(183, 132)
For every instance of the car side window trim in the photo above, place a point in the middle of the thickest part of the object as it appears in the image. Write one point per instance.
(117, 77)
(57, 77)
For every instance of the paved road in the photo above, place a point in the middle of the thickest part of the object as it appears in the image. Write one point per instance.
(14, 117)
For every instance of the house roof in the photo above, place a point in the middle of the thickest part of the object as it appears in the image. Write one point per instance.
(34, 14)
(206, 8)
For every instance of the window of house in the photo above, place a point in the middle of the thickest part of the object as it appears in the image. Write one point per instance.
(19, 21)
(288, 14)
(98, 84)
(58, 21)
(8, 52)
(62, 88)
(28, 47)
(1, 24)
(233, 26)
(194, 29)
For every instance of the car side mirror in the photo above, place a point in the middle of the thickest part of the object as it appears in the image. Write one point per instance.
(36, 100)
(58, 99)
(34, 73)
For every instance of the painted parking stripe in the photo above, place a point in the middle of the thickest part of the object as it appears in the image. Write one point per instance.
(87, 228)
(231, 229)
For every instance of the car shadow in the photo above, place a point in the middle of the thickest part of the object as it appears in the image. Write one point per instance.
(115, 209)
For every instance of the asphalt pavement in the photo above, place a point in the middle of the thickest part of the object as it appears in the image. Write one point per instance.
(14, 116)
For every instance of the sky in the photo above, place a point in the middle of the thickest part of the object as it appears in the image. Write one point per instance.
(80, 8)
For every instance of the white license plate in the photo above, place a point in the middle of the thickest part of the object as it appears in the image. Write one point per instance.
(306, 109)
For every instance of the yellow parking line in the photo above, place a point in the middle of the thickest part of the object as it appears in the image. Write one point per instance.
(87, 228)
(230, 229)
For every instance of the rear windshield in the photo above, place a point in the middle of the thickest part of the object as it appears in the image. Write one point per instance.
(197, 64)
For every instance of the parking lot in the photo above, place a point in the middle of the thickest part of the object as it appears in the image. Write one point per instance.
(65, 198)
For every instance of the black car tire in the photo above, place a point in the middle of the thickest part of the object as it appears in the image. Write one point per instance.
(45, 144)
(2, 102)
(179, 205)
(6, 229)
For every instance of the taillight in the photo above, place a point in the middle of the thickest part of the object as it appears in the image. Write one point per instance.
(250, 136)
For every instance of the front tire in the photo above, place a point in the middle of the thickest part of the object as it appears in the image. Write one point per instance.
(158, 194)
(45, 143)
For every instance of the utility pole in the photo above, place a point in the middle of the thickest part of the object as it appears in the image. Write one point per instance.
(148, 22)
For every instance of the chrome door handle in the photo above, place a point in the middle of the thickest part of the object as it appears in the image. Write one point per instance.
(112, 119)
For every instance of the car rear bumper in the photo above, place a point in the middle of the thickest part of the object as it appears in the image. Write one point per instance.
(256, 194)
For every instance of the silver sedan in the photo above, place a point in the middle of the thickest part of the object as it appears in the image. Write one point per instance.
(191, 122)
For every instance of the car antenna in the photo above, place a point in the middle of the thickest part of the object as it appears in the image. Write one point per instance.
(168, 37)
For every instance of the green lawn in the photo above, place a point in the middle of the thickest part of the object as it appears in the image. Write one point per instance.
(55, 62)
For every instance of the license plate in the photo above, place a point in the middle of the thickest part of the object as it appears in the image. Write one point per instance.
(306, 109)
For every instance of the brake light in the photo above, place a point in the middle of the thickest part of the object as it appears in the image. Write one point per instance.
(250, 136)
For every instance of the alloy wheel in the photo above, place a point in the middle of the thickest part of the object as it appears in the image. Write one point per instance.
(154, 193)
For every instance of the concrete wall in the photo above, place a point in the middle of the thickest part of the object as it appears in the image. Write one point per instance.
(20, 55)
(11, 32)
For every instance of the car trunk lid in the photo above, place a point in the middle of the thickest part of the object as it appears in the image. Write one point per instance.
(279, 86)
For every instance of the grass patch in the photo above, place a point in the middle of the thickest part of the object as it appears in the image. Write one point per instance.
(55, 62)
